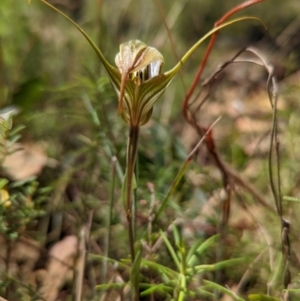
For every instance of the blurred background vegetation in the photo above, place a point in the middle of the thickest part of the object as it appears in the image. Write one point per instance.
(67, 123)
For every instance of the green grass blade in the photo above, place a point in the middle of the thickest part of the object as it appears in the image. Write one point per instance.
(259, 297)
(171, 250)
(135, 269)
(110, 286)
(161, 269)
(198, 248)
(155, 288)
(217, 266)
(224, 290)
(171, 191)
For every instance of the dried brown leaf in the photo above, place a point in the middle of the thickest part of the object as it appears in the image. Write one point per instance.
(25, 160)
(61, 262)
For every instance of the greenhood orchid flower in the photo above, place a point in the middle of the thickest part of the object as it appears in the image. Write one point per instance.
(139, 66)
(138, 79)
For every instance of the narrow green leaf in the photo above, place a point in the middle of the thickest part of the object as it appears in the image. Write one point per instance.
(114, 262)
(171, 250)
(161, 269)
(176, 236)
(204, 293)
(213, 285)
(198, 248)
(5, 124)
(136, 267)
(291, 199)
(214, 267)
(16, 129)
(259, 297)
(156, 288)
(3, 182)
(171, 190)
(278, 271)
(110, 286)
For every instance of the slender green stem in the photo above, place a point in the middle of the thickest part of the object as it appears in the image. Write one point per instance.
(109, 218)
(132, 147)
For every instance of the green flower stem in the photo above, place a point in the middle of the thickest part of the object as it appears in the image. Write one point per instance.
(132, 147)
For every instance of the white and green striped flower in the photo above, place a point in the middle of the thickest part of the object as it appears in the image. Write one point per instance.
(142, 82)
